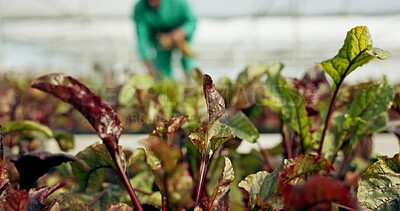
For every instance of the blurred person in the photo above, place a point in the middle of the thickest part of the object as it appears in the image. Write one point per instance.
(162, 26)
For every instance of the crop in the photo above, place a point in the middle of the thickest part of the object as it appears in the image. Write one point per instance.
(190, 161)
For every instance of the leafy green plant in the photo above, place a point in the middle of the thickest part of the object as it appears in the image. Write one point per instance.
(190, 160)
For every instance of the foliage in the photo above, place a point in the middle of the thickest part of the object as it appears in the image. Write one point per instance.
(190, 160)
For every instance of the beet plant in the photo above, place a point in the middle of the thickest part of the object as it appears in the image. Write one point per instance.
(190, 159)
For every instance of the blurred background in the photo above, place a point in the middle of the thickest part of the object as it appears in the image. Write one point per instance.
(85, 37)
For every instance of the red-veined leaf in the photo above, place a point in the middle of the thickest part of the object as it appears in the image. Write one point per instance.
(215, 102)
(220, 197)
(209, 136)
(100, 115)
(173, 178)
(4, 184)
(166, 129)
(301, 165)
(97, 158)
(379, 186)
(32, 199)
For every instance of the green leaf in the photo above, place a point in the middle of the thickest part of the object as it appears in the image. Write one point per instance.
(372, 100)
(127, 95)
(379, 186)
(143, 182)
(243, 128)
(180, 187)
(171, 89)
(252, 72)
(25, 125)
(98, 159)
(269, 195)
(112, 194)
(173, 178)
(291, 105)
(220, 197)
(262, 188)
(65, 140)
(295, 114)
(302, 165)
(272, 96)
(167, 105)
(215, 102)
(356, 51)
(166, 154)
(129, 89)
(137, 162)
(374, 125)
(166, 129)
(119, 206)
(209, 136)
(251, 186)
(142, 81)
(74, 201)
(367, 111)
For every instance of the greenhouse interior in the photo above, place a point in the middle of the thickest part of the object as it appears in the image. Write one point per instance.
(258, 105)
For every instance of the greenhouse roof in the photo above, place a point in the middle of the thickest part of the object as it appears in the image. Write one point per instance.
(71, 36)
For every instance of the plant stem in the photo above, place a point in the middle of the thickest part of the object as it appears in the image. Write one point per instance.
(126, 182)
(340, 146)
(202, 177)
(95, 199)
(265, 157)
(345, 207)
(165, 195)
(286, 138)
(164, 203)
(345, 162)
(329, 116)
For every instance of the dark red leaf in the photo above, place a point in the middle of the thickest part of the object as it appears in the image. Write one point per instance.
(32, 199)
(166, 129)
(215, 102)
(100, 115)
(33, 165)
(37, 196)
(317, 193)
(17, 200)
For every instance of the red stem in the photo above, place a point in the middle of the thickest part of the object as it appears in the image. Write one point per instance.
(288, 147)
(345, 207)
(340, 146)
(345, 162)
(329, 116)
(330, 111)
(126, 182)
(202, 177)
(164, 203)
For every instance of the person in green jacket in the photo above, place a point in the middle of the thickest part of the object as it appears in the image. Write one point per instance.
(161, 26)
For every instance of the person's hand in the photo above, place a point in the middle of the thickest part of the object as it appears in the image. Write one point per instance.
(177, 36)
